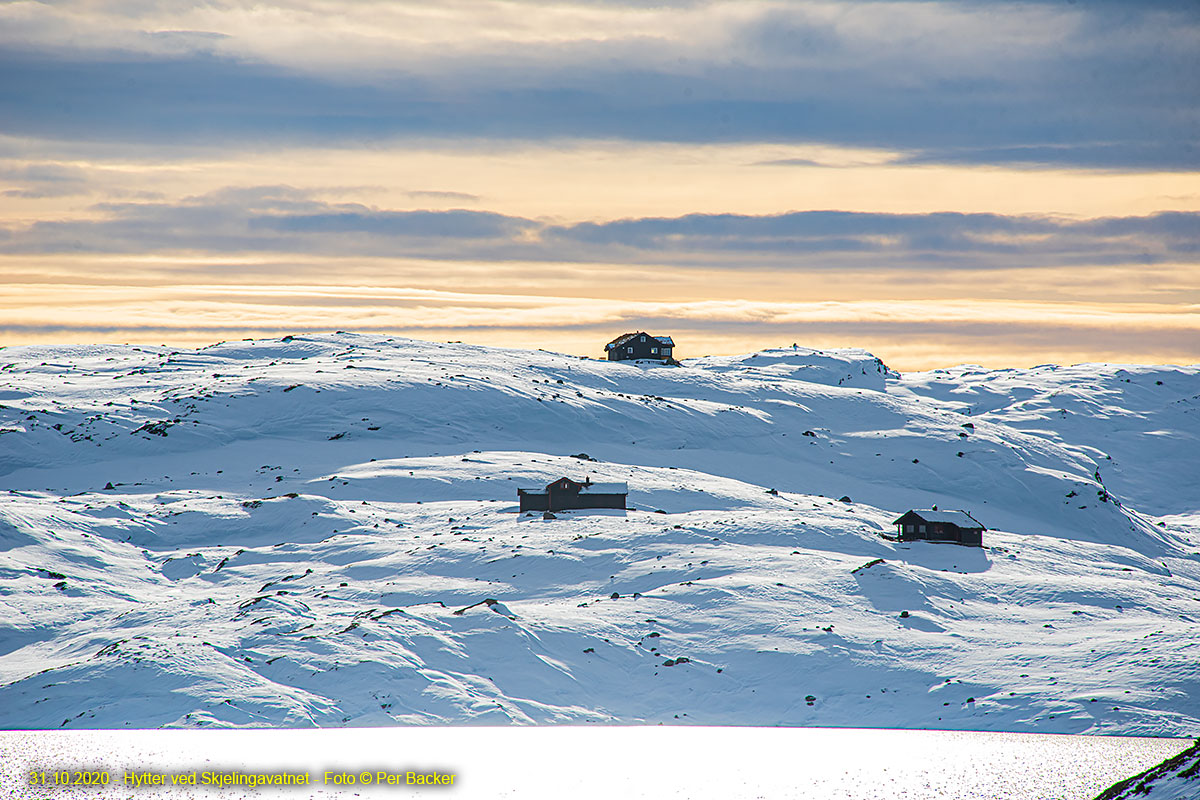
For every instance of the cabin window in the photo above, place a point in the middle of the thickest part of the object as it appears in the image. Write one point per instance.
(666, 351)
(909, 528)
(920, 529)
(653, 349)
(643, 338)
(628, 349)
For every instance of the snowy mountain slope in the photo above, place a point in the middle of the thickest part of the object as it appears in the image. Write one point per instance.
(1177, 778)
(1138, 422)
(379, 396)
(291, 526)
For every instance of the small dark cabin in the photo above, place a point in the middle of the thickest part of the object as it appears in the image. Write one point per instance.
(565, 493)
(940, 526)
(640, 345)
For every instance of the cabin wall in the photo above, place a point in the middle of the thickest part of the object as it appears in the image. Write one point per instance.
(939, 532)
(564, 501)
(568, 500)
(943, 531)
(535, 502)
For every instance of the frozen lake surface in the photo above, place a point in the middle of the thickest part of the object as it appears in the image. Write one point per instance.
(578, 762)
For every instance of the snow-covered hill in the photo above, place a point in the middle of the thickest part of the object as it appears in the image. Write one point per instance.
(281, 533)
(1177, 778)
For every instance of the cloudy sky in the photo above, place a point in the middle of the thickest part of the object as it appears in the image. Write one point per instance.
(998, 183)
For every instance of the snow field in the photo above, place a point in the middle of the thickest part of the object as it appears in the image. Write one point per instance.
(291, 527)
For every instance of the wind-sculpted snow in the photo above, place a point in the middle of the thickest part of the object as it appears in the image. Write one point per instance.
(324, 531)
(1140, 424)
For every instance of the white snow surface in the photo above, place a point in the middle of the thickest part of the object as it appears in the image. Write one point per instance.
(1177, 778)
(294, 526)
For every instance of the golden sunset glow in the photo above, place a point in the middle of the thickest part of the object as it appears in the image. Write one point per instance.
(742, 174)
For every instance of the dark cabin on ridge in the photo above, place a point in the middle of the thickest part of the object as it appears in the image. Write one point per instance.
(940, 526)
(640, 345)
(565, 493)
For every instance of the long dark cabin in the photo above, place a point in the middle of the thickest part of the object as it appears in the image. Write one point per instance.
(932, 525)
(565, 494)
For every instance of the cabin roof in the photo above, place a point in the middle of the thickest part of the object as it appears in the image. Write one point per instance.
(620, 340)
(584, 488)
(960, 518)
(666, 341)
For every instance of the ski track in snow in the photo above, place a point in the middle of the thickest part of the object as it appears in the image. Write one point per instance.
(292, 526)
